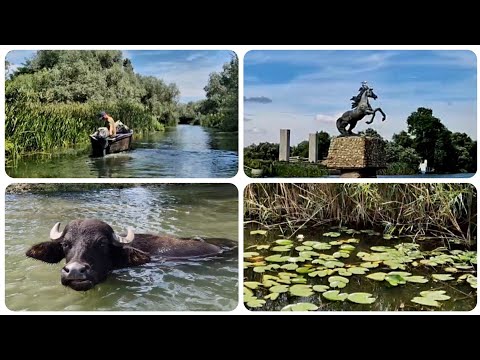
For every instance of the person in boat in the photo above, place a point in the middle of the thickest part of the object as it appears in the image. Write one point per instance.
(114, 127)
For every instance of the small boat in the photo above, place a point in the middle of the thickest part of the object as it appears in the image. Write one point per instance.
(102, 146)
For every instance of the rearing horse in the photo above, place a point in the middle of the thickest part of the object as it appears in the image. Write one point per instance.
(361, 107)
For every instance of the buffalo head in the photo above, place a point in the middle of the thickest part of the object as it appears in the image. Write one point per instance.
(91, 250)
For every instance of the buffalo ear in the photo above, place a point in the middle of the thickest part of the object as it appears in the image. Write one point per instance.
(136, 257)
(48, 251)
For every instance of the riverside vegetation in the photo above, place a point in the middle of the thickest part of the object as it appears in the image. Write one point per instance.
(360, 247)
(52, 101)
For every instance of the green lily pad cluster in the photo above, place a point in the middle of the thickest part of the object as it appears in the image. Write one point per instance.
(292, 270)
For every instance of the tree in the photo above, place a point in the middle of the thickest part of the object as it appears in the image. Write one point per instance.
(323, 144)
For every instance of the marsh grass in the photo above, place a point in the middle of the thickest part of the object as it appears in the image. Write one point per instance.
(36, 128)
(444, 211)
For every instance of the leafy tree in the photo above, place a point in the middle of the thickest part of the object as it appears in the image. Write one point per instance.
(264, 151)
(323, 144)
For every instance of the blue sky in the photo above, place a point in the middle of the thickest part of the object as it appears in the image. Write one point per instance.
(306, 91)
(189, 69)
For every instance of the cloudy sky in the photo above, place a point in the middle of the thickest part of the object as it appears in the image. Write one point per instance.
(306, 91)
(189, 69)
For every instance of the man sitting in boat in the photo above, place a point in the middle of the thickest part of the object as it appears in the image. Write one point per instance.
(113, 126)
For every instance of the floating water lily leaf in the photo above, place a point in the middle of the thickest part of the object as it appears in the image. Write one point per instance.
(259, 263)
(299, 280)
(277, 258)
(442, 277)
(269, 283)
(352, 241)
(463, 267)
(389, 236)
(361, 298)
(247, 292)
(326, 257)
(344, 272)
(308, 254)
(435, 295)
(279, 289)
(252, 284)
(272, 296)
(337, 282)
(284, 281)
(322, 246)
(301, 290)
(395, 280)
(381, 248)
(255, 302)
(318, 261)
(284, 242)
(300, 307)
(393, 264)
(286, 275)
(472, 280)
(258, 232)
(416, 279)
(369, 265)
(296, 259)
(260, 269)
(263, 247)
(250, 254)
(347, 247)
(304, 270)
(334, 295)
(400, 273)
(333, 264)
(281, 248)
(273, 266)
(341, 254)
(428, 262)
(319, 273)
(425, 301)
(334, 243)
(303, 248)
(451, 269)
(320, 288)
(352, 231)
(289, 266)
(378, 276)
(269, 277)
(310, 243)
(357, 270)
(332, 234)
(247, 264)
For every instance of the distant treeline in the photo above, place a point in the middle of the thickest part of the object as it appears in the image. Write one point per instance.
(53, 99)
(425, 138)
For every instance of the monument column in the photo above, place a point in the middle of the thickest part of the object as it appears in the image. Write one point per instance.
(284, 153)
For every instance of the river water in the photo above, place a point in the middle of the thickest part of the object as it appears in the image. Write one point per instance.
(181, 209)
(184, 151)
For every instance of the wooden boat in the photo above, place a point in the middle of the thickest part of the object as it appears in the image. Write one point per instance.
(102, 146)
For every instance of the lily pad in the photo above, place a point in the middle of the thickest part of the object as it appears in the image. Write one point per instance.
(425, 301)
(250, 254)
(357, 270)
(247, 292)
(289, 266)
(381, 248)
(295, 259)
(303, 248)
(311, 243)
(320, 288)
(279, 289)
(389, 236)
(258, 232)
(272, 296)
(416, 279)
(332, 234)
(284, 242)
(335, 242)
(255, 302)
(378, 276)
(308, 254)
(333, 264)
(284, 281)
(395, 280)
(392, 264)
(369, 265)
(322, 246)
(277, 258)
(442, 277)
(435, 294)
(261, 269)
(352, 241)
(344, 272)
(334, 295)
(319, 273)
(301, 290)
(361, 298)
(347, 247)
(337, 282)
(299, 280)
(281, 248)
(472, 280)
(286, 275)
(341, 254)
(304, 270)
(252, 284)
(269, 283)
(450, 269)
(300, 307)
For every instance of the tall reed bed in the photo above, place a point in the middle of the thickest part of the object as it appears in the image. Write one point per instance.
(33, 127)
(443, 210)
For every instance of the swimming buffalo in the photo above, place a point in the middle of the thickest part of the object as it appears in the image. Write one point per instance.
(92, 249)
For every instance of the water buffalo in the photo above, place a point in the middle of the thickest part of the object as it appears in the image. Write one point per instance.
(92, 249)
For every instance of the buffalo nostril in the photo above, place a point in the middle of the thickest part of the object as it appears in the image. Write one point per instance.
(66, 269)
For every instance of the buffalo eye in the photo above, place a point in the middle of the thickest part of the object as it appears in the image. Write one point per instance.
(66, 245)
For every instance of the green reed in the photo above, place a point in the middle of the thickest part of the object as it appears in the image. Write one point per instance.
(443, 210)
(34, 128)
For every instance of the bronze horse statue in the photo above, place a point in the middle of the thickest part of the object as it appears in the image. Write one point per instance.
(361, 107)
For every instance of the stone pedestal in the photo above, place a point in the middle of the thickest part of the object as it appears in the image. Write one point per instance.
(312, 148)
(356, 156)
(284, 151)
